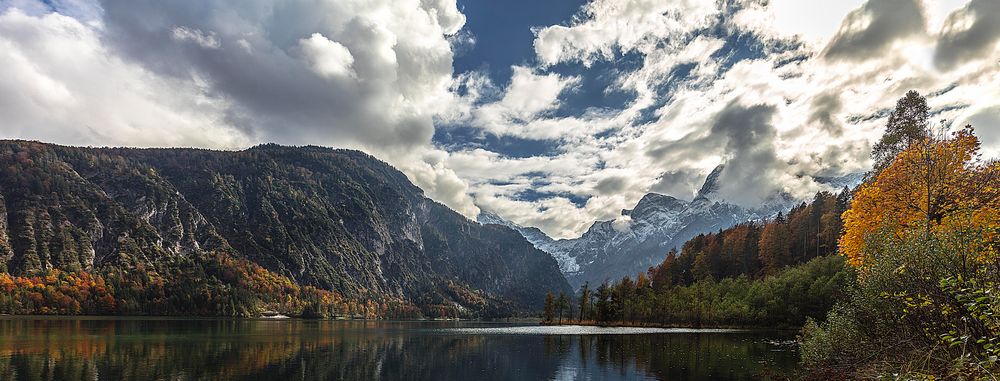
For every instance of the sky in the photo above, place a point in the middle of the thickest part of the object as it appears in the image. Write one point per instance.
(551, 114)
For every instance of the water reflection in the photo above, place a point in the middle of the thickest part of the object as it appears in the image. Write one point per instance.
(141, 349)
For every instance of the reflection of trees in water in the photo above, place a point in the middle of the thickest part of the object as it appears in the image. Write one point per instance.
(116, 350)
(673, 356)
(221, 350)
(261, 350)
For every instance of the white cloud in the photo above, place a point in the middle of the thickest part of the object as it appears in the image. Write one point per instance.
(377, 75)
(521, 109)
(612, 26)
(814, 21)
(370, 75)
(60, 84)
(328, 58)
(530, 94)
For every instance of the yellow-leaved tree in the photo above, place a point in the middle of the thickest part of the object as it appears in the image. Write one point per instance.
(935, 185)
(923, 231)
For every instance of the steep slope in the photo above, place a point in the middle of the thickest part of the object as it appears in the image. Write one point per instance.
(336, 219)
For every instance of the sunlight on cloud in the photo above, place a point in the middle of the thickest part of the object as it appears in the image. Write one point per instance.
(780, 91)
(328, 58)
(100, 99)
(814, 21)
(824, 100)
(369, 75)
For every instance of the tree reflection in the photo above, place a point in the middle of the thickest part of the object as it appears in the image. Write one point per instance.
(96, 349)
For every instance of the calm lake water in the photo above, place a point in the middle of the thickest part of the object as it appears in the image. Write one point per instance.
(186, 349)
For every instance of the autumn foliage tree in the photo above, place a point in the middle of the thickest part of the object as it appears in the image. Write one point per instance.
(775, 245)
(923, 231)
(936, 185)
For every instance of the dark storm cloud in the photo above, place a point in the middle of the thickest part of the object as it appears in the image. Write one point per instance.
(824, 110)
(958, 44)
(744, 137)
(987, 125)
(746, 127)
(258, 63)
(749, 148)
(611, 185)
(887, 21)
(679, 183)
(692, 145)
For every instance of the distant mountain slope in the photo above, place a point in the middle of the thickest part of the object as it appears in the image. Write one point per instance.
(336, 219)
(656, 224)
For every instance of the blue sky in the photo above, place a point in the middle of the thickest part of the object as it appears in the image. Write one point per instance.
(503, 32)
(549, 113)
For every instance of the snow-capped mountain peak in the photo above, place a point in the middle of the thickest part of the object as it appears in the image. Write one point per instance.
(611, 249)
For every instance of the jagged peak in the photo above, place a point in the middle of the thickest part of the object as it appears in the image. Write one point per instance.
(711, 184)
(653, 200)
(600, 227)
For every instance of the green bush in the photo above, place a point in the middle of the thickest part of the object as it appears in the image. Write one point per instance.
(921, 308)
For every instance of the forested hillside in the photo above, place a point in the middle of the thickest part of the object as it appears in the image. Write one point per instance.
(309, 231)
(757, 249)
(773, 273)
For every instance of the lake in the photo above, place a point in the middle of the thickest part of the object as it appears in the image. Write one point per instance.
(43, 348)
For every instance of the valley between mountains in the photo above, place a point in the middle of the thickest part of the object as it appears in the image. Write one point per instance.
(305, 231)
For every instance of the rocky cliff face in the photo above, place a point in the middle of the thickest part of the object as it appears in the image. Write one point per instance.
(336, 219)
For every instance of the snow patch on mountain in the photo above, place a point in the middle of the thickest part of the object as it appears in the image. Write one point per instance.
(643, 235)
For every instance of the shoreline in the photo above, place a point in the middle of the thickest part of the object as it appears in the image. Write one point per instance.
(623, 324)
(525, 321)
(518, 320)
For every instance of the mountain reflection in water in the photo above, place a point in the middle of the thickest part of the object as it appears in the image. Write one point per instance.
(33, 348)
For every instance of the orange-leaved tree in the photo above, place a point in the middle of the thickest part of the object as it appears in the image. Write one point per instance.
(936, 185)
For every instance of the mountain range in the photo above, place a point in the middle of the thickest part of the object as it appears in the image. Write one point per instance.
(337, 220)
(611, 249)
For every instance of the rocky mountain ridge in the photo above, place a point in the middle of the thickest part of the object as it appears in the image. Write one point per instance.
(611, 249)
(338, 220)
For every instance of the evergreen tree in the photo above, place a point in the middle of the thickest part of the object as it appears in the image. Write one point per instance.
(907, 124)
(584, 300)
(562, 304)
(604, 309)
(550, 306)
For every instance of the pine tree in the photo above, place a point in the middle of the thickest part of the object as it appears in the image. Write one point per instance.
(550, 306)
(604, 308)
(907, 124)
(584, 300)
(562, 304)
